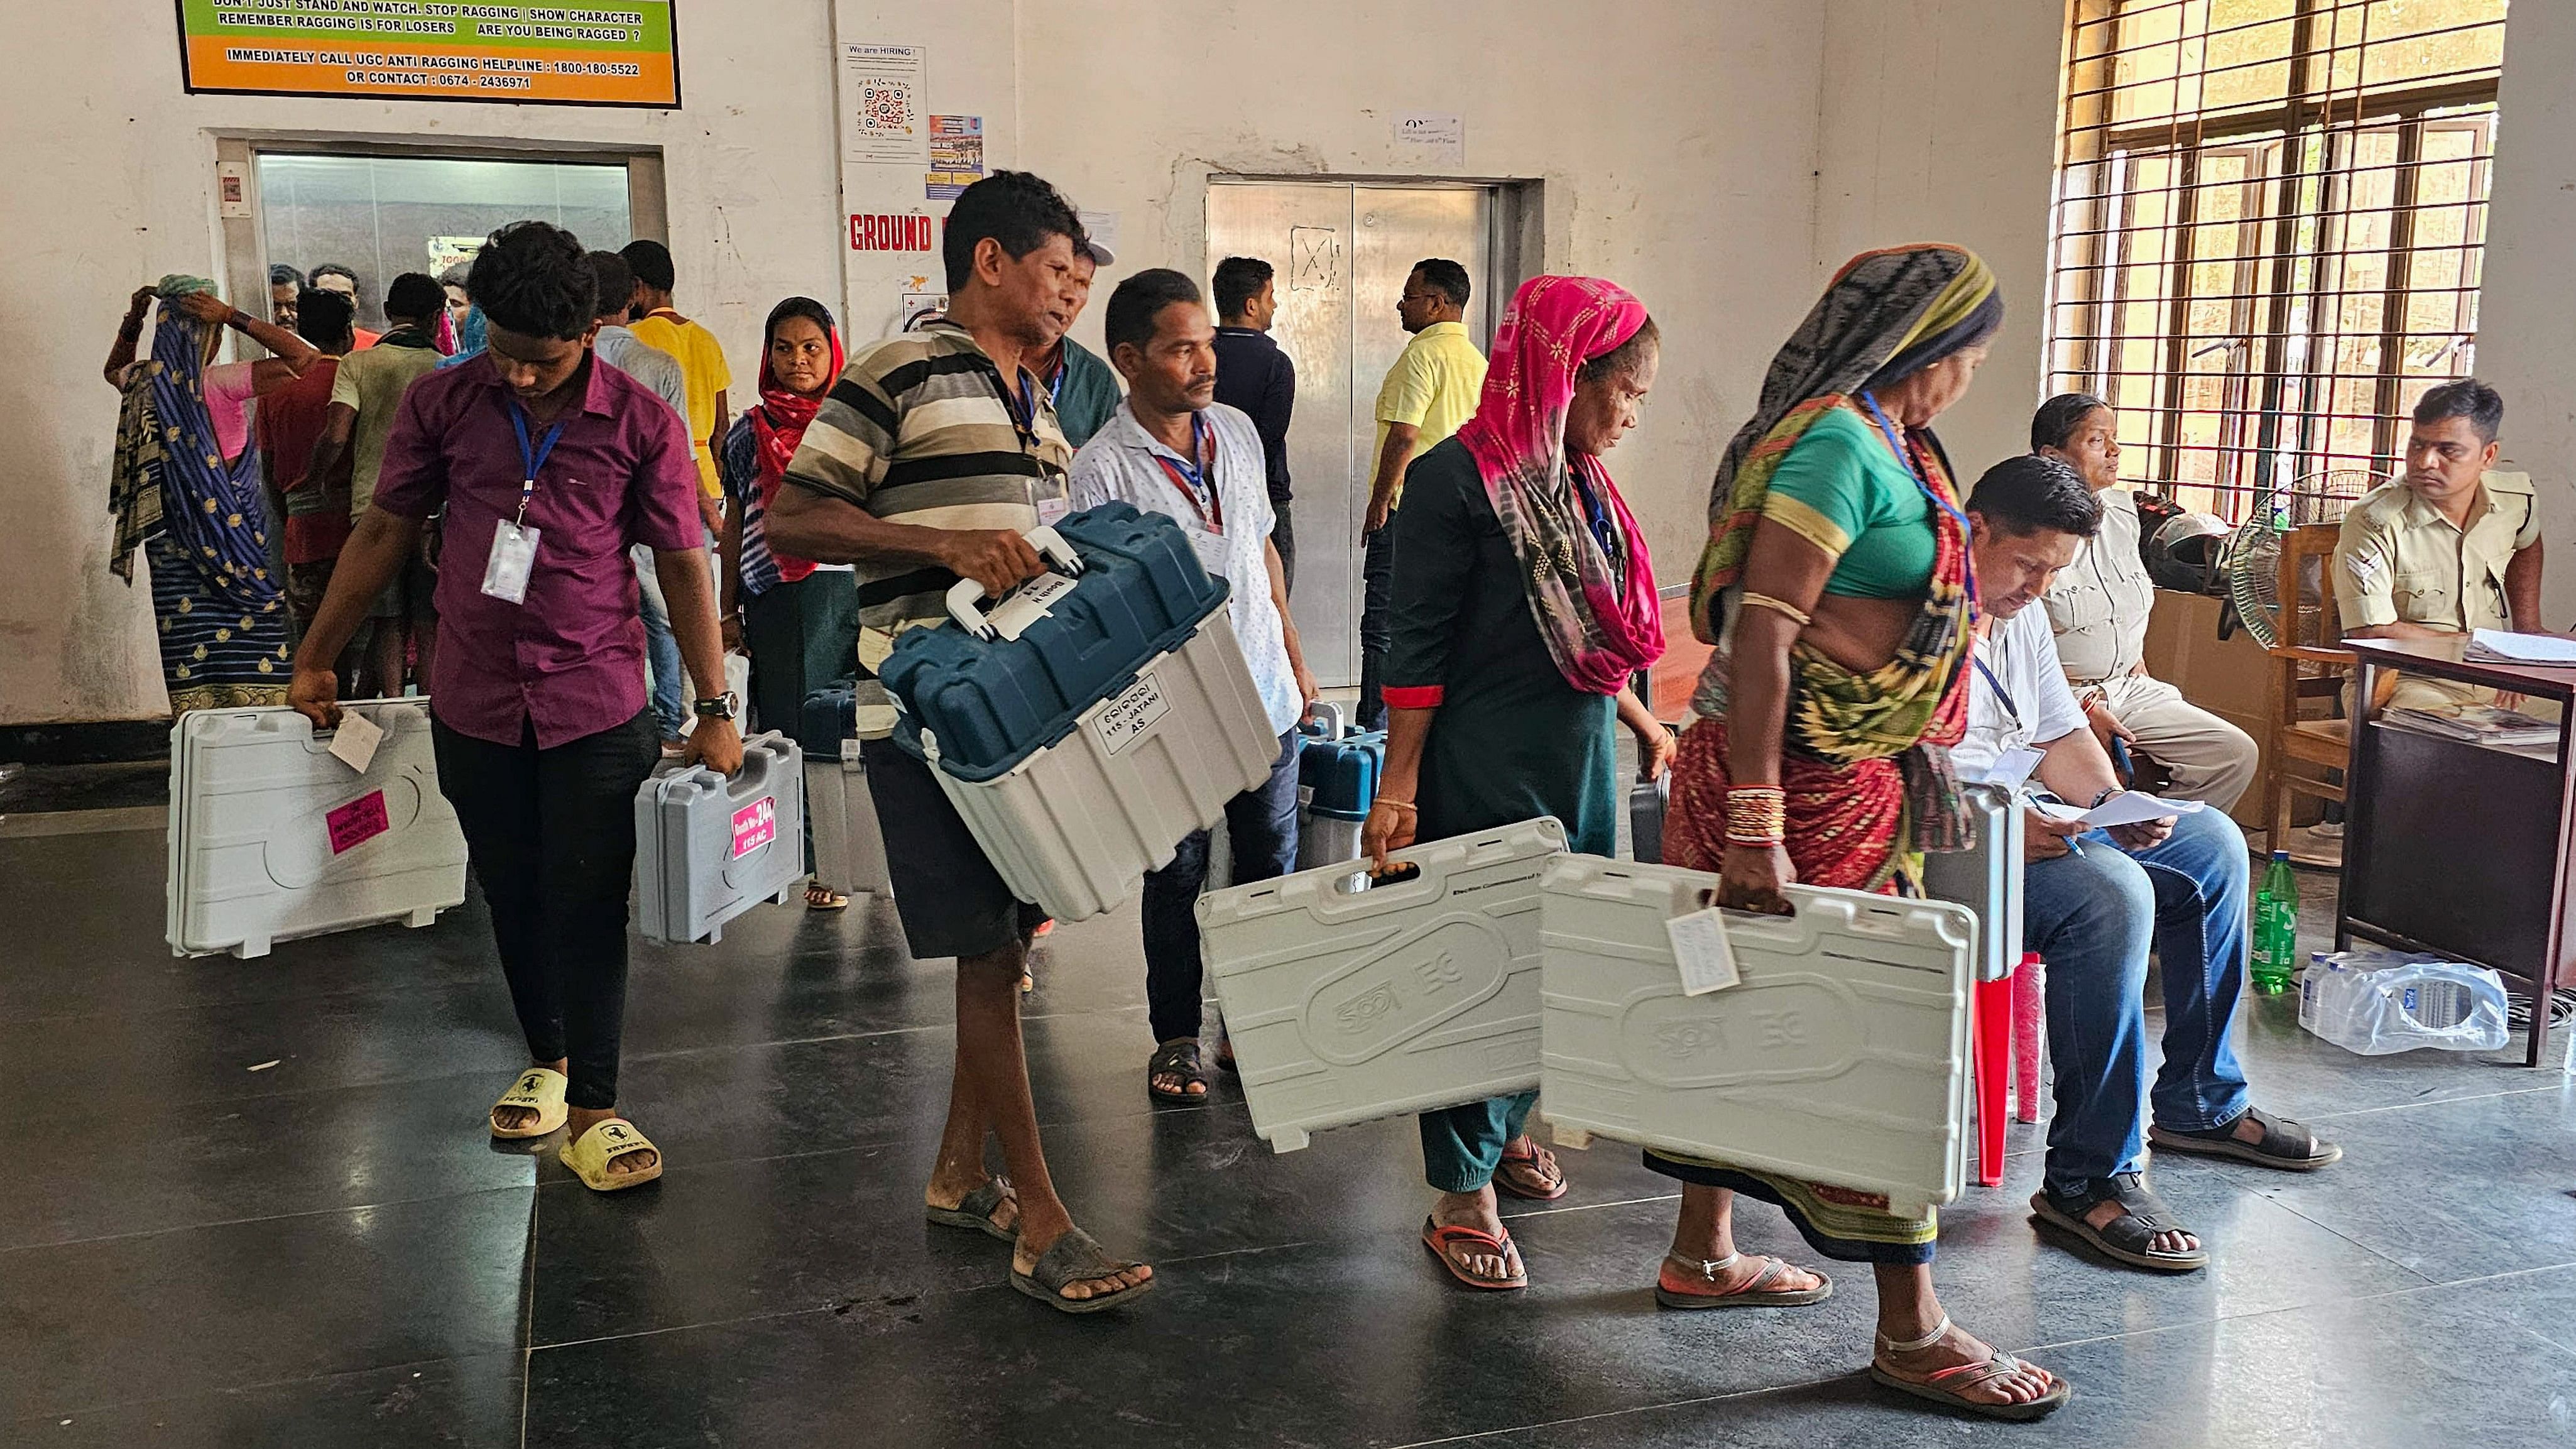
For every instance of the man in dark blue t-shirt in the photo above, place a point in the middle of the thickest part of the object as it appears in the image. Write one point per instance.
(1254, 375)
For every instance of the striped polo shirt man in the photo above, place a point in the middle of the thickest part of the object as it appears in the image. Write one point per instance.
(920, 430)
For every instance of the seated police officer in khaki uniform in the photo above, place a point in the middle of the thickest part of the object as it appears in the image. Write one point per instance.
(2098, 609)
(2450, 547)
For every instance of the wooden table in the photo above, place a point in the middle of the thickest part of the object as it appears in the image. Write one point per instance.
(2459, 849)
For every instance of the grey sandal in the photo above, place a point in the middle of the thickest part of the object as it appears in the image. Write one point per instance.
(1075, 1258)
(976, 1209)
(2128, 1238)
(2284, 1143)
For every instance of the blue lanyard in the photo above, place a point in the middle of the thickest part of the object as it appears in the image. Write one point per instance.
(531, 461)
(1022, 404)
(1905, 455)
(1191, 477)
(1997, 686)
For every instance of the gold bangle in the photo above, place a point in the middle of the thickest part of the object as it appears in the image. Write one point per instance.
(1398, 804)
(1777, 606)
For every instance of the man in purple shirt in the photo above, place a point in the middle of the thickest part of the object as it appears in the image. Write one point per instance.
(548, 465)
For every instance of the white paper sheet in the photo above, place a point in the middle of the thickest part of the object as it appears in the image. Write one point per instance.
(2525, 648)
(1700, 948)
(2129, 807)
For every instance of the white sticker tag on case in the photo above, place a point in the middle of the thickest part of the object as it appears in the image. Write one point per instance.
(514, 557)
(354, 742)
(1700, 949)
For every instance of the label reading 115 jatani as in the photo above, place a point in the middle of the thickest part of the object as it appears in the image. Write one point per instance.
(1131, 714)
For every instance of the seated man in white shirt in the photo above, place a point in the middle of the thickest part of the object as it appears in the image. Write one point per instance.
(2095, 901)
(1171, 448)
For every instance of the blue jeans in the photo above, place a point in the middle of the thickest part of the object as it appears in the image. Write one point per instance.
(1261, 826)
(661, 650)
(2091, 916)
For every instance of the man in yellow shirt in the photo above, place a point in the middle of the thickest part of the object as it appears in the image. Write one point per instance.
(1430, 391)
(702, 362)
(2452, 546)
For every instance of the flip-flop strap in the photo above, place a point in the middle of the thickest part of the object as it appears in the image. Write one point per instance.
(1998, 1366)
(617, 1137)
(2281, 1137)
(534, 1090)
(1075, 1258)
(1176, 1059)
(986, 1199)
(1443, 1235)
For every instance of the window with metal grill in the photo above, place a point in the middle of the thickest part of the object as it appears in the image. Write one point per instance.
(2269, 221)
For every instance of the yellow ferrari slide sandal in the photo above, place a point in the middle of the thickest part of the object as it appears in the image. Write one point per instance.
(606, 1141)
(539, 1090)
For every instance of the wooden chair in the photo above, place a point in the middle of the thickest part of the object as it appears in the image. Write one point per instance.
(2306, 666)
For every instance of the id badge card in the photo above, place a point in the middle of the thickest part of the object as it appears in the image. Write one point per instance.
(1212, 550)
(514, 557)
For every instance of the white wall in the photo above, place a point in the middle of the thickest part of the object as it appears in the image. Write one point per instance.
(1940, 124)
(2526, 305)
(110, 185)
(1676, 143)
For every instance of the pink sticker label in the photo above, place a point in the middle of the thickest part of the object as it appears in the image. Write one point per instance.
(362, 820)
(754, 825)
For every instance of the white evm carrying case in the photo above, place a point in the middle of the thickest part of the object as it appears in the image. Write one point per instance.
(272, 837)
(1840, 1057)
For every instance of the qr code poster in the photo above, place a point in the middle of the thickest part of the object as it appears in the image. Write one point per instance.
(881, 104)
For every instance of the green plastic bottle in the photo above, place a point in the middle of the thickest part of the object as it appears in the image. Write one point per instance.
(2276, 927)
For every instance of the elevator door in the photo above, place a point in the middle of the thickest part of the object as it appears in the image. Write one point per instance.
(1341, 253)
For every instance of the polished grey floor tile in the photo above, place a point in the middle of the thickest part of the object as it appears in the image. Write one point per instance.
(460, 1403)
(119, 1320)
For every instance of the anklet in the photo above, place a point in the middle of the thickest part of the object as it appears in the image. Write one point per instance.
(1706, 1268)
(1919, 1344)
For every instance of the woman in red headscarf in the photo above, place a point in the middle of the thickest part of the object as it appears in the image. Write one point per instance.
(798, 620)
(1523, 600)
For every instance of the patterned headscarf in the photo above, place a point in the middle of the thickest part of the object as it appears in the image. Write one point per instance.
(1886, 315)
(1598, 614)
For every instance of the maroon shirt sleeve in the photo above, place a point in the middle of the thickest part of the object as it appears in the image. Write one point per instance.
(412, 482)
(662, 504)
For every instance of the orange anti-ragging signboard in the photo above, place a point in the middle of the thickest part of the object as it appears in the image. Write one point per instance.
(605, 53)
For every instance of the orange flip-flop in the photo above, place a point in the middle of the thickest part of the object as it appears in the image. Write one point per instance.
(1440, 1238)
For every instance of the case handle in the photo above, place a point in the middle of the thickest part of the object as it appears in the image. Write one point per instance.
(965, 597)
(1330, 719)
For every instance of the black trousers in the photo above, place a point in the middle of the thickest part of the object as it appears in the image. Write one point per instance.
(551, 834)
(1284, 538)
(1377, 625)
(1261, 827)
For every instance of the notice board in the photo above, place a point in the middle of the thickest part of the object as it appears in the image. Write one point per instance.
(608, 53)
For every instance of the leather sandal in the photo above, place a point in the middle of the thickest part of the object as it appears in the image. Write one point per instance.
(1075, 1258)
(1178, 1058)
(2284, 1143)
(976, 1211)
(2128, 1238)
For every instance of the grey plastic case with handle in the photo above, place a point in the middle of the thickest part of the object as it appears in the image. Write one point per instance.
(708, 849)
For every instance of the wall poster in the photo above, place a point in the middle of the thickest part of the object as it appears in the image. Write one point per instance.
(613, 53)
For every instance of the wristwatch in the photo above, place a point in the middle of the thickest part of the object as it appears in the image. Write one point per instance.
(726, 706)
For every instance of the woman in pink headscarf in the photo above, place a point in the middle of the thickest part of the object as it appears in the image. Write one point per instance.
(1522, 601)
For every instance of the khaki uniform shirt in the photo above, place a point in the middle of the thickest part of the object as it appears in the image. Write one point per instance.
(2100, 603)
(2399, 560)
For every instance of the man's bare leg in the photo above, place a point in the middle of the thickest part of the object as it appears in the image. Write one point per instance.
(994, 1074)
(960, 1168)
